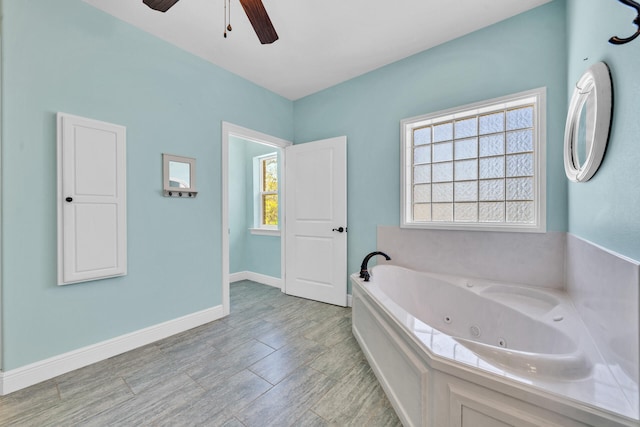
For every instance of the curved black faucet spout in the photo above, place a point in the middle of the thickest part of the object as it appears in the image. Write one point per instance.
(364, 273)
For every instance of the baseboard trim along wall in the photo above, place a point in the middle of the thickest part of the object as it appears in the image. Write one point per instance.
(276, 282)
(43, 370)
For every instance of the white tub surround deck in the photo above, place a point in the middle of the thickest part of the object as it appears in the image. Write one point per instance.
(464, 352)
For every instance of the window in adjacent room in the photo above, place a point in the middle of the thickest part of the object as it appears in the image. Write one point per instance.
(266, 178)
(479, 166)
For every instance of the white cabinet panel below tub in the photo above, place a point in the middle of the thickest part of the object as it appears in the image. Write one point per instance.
(461, 403)
(404, 378)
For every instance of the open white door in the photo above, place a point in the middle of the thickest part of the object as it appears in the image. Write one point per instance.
(316, 220)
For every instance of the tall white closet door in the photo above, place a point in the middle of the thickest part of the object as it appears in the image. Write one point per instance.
(92, 229)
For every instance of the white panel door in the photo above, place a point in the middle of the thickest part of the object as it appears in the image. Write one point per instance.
(92, 230)
(316, 220)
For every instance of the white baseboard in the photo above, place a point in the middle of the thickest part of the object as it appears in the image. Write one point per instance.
(238, 277)
(43, 370)
(276, 282)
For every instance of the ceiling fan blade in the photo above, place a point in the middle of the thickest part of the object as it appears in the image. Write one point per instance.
(260, 21)
(160, 5)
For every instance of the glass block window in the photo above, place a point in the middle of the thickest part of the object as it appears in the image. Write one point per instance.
(479, 166)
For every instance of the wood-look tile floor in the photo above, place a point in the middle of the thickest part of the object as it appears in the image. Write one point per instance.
(275, 361)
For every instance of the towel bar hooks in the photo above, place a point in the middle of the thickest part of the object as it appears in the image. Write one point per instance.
(636, 21)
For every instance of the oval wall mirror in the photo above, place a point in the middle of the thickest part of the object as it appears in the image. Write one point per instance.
(588, 122)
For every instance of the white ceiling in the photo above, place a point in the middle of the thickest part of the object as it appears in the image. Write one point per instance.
(322, 42)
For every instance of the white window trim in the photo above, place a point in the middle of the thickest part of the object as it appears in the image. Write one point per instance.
(265, 231)
(260, 228)
(540, 138)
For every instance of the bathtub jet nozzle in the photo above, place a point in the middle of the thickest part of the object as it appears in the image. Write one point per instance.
(364, 273)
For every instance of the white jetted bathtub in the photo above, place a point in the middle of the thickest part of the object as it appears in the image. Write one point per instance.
(451, 351)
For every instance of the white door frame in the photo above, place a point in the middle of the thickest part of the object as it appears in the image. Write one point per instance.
(1, 241)
(229, 129)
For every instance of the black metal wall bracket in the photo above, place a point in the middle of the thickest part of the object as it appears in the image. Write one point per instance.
(618, 40)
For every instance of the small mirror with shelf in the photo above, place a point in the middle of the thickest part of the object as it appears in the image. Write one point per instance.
(179, 176)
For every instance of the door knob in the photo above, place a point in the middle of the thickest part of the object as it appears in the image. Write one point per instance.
(69, 199)
(339, 229)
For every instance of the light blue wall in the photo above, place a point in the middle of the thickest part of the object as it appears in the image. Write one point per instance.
(522, 53)
(237, 204)
(65, 55)
(262, 253)
(254, 253)
(605, 209)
